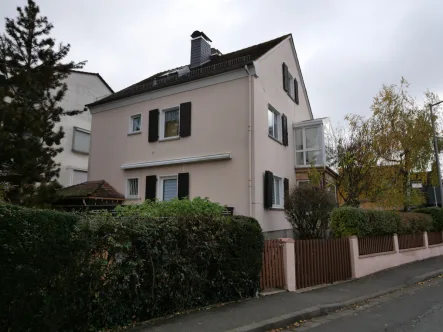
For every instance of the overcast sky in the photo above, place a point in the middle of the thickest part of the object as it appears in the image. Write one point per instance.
(347, 48)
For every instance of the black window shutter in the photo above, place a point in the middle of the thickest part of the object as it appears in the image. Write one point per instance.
(183, 185)
(153, 126)
(268, 184)
(151, 186)
(286, 190)
(284, 125)
(285, 77)
(296, 91)
(185, 119)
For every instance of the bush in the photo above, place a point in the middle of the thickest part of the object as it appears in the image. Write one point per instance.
(173, 208)
(347, 221)
(437, 217)
(308, 209)
(84, 273)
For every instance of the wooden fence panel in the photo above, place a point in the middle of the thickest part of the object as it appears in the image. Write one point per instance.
(435, 238)
(406, 241)
(272, 274)
(320, 262)
(375, 244)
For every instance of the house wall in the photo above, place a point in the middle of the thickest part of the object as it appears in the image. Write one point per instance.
(219, 124)
(269, 154)
(82, 89)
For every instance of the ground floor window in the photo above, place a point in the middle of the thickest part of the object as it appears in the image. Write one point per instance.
(132, 188)
(168, 188)
(277, 192)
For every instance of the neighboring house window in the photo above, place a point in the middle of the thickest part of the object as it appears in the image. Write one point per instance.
(308, 146)
(274, 123)
(277, 193)
(168, 188)
(290, 84)
(170, 123)
(80, 140)
(79, 176)
(132, 188)
(303, 183)
(331, 187)
(135, 124)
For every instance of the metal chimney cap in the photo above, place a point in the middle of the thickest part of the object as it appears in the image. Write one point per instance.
(197, 33)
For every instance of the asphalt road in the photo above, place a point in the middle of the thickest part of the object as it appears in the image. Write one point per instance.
(418, 308)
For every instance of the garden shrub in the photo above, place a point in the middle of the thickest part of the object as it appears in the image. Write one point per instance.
(92, 272)
(347, 221)
(437, 217)
(174, 208)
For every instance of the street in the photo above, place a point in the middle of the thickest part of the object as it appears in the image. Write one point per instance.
(417, 308)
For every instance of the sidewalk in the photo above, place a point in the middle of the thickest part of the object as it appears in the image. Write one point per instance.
(252, 311)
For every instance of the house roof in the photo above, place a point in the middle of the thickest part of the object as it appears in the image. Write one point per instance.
(90, 189)
(216, 65)
(95, 74)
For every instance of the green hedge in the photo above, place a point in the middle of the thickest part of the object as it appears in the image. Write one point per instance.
(62, 272)
(437, 217)
(347, 221)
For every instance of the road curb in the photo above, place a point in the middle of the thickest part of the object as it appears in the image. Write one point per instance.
(322, 310)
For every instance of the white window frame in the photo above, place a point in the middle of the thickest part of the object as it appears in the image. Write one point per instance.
(281, 192)
(162, 123)
(73, 139)
(302, 181)
(131, 118)
(73, 170)
(161, 180)
(127, 188)
(279, 125)
(304, 150)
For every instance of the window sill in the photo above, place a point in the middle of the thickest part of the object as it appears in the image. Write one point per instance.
(80, 152)
(132, 198)
(277, 208)
(274, 139)
(134, 133)
(165, 139)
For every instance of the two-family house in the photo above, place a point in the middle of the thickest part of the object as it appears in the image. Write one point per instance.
(222, 127)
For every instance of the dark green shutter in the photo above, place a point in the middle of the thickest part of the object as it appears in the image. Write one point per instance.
(285, 77)
(267, 189)
(286, 190)
(151, 187)
(296, 91)
(284, 125)
(185, 119)
(153, 126)
(183, 185)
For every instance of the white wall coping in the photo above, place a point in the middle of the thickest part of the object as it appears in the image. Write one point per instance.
(184, 160)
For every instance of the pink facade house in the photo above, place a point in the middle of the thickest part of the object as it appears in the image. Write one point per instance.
(222, 127)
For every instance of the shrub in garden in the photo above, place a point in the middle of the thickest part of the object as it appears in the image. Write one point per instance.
(308, 209)
(92, 272)
(437, 217)
(174, 208)
(347, 221)
(415, 223)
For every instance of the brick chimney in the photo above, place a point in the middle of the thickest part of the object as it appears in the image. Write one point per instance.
(200, 48)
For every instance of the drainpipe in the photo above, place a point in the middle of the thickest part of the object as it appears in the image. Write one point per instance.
(250, 141)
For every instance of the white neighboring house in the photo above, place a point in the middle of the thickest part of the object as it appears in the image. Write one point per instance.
(83, 88)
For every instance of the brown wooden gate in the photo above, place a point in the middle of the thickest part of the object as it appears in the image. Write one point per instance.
(319, 262)
(272, 273)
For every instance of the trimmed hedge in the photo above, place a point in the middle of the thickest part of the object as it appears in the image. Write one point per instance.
(347, 221)
(84, 273)
(437, 217)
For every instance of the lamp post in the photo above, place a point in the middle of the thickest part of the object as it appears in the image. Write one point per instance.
(437, 159)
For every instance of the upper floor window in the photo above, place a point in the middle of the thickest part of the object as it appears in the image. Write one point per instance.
(80, 140)
(170, 123)
(290, 84)
(135, 124)
(308, 146)
(274, 123)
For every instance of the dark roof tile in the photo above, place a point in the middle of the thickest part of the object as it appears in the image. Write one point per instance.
(90, 189)
(217, 65)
